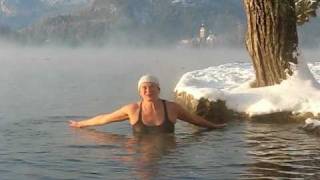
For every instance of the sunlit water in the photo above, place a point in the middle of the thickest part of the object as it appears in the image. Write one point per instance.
(42, 89)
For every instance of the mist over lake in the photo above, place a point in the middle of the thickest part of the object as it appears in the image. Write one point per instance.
(43, 88)
(64, 81)
(63, 60)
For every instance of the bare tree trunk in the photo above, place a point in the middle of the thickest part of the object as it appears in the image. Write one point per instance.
(271, 39)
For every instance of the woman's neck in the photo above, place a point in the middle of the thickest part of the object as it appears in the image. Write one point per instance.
(151, 104)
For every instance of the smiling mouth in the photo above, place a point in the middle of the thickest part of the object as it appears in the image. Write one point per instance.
(152, 94)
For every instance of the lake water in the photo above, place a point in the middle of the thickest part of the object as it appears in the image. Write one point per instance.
(41, 89)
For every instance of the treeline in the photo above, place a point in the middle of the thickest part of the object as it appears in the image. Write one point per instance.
(140, 23)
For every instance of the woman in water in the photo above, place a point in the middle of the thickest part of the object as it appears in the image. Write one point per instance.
(150, 114)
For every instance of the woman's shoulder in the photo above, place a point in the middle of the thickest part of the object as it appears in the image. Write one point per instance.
(132, 106)
(172, 104)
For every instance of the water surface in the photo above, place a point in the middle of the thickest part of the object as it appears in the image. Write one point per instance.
(41, 89)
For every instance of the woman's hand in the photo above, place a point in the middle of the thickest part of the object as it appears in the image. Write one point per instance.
(219, 125)
(75, 124)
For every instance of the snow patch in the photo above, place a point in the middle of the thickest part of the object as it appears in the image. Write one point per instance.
(6, 9)
(64, 2)
(230, 82)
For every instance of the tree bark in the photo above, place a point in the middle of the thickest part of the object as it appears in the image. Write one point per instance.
(271, 39)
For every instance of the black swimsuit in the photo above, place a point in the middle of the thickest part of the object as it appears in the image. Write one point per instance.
(166, 127)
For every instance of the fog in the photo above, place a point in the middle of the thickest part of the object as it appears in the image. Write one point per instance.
(59, 81)
(85, 81)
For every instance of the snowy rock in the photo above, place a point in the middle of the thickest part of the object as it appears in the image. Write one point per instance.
(215, 111)
(296, 98)
(312, 125)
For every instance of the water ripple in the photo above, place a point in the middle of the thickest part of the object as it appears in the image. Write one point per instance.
(277, 155)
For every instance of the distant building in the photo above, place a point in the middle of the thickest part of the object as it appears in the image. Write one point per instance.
(211, 39)
(203, 39)
(202, 34)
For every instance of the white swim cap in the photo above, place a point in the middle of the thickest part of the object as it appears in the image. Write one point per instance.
(148, 78)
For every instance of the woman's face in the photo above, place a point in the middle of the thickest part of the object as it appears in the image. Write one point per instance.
(149, 91)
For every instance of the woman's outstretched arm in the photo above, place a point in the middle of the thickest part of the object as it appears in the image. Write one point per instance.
(186, 116)
(118, 115)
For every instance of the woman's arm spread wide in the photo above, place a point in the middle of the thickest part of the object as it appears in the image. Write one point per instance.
(195, 119)
(118, 115)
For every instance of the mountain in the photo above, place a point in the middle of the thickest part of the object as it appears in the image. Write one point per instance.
(131, 22)
(141, 22)
(5, 9)
(64, 2)
(20, 13)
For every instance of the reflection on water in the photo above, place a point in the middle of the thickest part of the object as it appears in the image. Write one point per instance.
(42, 90)
(142, 152)
(48, 149)
(281, 151)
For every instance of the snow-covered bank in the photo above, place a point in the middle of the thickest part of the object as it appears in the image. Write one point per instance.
(312, 125)
(230, 83)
